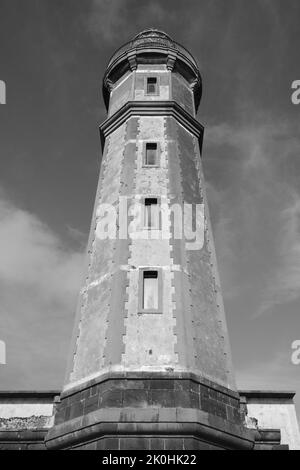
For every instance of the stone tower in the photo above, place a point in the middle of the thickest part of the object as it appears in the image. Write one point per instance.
(150, 365)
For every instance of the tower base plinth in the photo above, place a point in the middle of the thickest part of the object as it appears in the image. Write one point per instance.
(149, 411)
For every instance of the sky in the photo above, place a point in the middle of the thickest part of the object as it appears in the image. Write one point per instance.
(53, 55)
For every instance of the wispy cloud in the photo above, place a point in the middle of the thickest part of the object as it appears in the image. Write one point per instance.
(111, 21)
(258, 210)
(77, 235)
(39, 281)
(32, 255)
(105, 19)
(284, 285)
(275, 373)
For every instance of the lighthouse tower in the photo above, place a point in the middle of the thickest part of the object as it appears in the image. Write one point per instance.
(150, 364)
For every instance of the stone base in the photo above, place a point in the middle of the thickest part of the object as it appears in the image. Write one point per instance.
(22, 439)
(154, 411)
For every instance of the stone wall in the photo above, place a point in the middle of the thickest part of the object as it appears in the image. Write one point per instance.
(25, 418)
(271, 410)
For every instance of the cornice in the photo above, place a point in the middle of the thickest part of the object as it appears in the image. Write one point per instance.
(151, 108)
(129, 59)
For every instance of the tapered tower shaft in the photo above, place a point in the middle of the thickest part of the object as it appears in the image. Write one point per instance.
(150, 362)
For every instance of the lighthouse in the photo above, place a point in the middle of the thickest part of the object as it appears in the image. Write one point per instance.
(150, 365)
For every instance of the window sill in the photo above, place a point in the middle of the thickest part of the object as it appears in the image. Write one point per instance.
(155, 312)
(150, 166)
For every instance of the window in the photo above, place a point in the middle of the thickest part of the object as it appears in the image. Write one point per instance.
(150, 290)
(152, 86)
(151, 154)
(151, 213)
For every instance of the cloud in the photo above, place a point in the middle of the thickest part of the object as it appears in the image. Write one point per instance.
(77, 235)
(256, 200)
(270, 374)
(105, 19)
(111, 21)
(32, 255)
(284, 285)
(39, 282)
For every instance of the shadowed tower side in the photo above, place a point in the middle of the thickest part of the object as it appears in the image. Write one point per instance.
(150, 365)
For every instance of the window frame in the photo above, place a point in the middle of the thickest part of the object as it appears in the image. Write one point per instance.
(158, 199)
(158, 152)
(156, 92)
(159, 309)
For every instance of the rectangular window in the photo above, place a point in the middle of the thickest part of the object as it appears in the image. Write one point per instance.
(151, 86)
(151, 214)
(151, 154)
(150, 290)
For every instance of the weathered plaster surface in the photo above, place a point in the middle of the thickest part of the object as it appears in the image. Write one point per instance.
(278, 415)
(190, 333)
(19, 414)
(123, 92)
(203, 337)
(182, 93)
(163, 75)
(24, 410)
(96, 295)
(149, 339)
